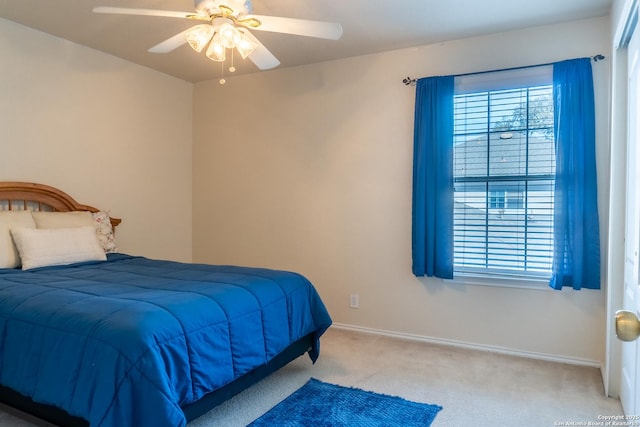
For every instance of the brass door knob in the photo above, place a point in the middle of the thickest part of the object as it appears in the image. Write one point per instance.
(627, 325)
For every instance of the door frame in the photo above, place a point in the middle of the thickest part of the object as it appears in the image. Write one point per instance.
(624, 27)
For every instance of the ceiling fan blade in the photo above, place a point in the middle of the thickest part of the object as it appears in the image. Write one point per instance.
(261, 56)
(143, 12)
(171, 43)
(301, 27)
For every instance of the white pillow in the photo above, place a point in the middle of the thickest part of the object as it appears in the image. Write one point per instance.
(100, 220)
(72, 219)
(57, 246)
(9, 257)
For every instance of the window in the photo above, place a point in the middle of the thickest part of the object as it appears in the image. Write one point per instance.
(496, 199)
(489, 198)
(504, 173)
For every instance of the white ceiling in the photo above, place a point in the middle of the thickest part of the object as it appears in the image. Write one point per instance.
(370, 26)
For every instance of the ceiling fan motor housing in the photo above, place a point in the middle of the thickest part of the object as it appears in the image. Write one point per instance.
(211, 7)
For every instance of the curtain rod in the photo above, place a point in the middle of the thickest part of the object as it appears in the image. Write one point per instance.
(408, 81)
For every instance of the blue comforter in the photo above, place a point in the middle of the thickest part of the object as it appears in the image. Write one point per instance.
(128, 341)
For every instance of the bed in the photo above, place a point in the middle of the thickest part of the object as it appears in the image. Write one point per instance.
(112, 340)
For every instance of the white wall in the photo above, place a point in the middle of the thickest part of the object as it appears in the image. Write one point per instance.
(310, 169)
(109, 133)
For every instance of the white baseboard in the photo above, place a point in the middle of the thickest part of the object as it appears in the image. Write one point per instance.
(473, 346)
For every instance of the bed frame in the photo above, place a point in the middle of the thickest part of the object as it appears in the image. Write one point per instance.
(40, 197)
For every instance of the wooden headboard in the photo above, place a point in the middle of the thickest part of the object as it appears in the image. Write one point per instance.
(39, 197)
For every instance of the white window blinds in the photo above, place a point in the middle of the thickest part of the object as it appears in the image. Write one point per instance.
(504, 172)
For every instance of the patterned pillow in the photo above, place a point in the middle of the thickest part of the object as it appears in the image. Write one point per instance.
(104, 230)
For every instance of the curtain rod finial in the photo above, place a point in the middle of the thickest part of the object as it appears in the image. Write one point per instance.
(597, 58)
(409, 81)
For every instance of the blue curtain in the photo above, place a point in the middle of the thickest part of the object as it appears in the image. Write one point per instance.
(432, 237)
(576, 259)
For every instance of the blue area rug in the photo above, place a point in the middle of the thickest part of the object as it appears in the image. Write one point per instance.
(321, 404)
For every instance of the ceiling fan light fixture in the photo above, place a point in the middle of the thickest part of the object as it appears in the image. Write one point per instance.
(216, 51)
(229, 35)
(245, 46)
(199, 36)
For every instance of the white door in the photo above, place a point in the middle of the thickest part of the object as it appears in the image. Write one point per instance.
(630, 387)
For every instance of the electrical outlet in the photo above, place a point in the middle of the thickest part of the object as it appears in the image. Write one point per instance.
(354, 301)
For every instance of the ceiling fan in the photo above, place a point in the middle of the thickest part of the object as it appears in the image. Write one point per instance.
(226, 24)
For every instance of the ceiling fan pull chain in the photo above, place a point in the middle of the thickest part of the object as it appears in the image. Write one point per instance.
(232, 69)
(222, 80)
